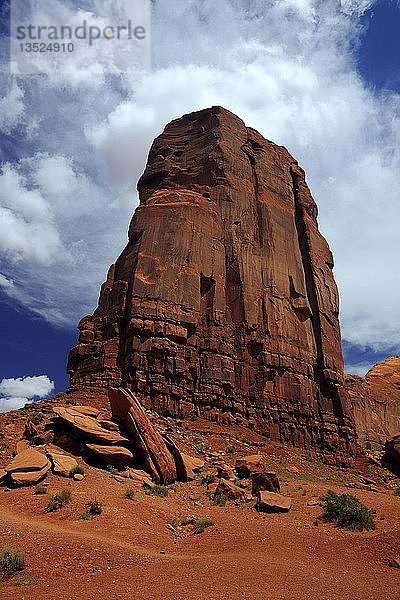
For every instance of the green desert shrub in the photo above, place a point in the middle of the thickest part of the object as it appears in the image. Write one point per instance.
(129, 493)
(158, 490)
(93, 509)
(59, 500)
(220, 499)
(36, 417)
(207, 479)
(40, 490)
(113, 470)
(11, 561)
(345, 510)
(77, 470)
(230, 449)
(396, 491)
(199, 525)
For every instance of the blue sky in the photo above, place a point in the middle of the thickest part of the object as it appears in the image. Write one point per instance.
(321, 78)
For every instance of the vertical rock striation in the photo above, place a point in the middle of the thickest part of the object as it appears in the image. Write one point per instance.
(223, 302)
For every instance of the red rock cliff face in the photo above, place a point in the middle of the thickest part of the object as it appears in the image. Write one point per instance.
(375, 402)
(224, 302)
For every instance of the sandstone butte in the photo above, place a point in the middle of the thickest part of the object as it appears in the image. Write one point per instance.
(375, 402)
(223, 303)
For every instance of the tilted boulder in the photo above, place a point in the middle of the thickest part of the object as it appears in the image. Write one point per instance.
(28, 460)
(224, 471)
(186, 466)
(153, 451)
(21, 478)
(223, 302)
(28, 467)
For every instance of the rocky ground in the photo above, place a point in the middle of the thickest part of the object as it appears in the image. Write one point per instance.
(136, 547)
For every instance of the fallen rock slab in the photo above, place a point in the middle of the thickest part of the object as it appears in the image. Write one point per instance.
(62, 464)
(29, 477)
(229, 489)
(89, 411)
(28, 460)
(117, 456)
(265, 481)
(154, 452)
(140, 477)
(271, 502)
(249, 464)
(88, 426)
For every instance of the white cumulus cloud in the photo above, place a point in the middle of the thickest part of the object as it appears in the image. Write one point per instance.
(14, 393)
(288, 68)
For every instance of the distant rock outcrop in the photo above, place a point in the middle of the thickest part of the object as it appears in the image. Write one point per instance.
(223, 302)
(375, 402)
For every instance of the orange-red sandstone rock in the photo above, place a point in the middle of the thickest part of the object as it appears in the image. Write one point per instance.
(21, 478)
(158, 460)
(224, 471)
(375, 401)
(118, 456)
(229, 489)
(271, 502)
(223, 302)
(62, 464)
(392, 448)
(265, 481)
(21, 445)
(249, 464)
(88, 427)
(28, 460)
(89, 411)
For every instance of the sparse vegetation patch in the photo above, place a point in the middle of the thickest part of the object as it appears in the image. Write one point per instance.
(220, 499)
(11, 561)
(77, 470)
(199, 524)
(59, 500)
(129, 493)
(345, 510)
(158, 490)
(93, 509)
